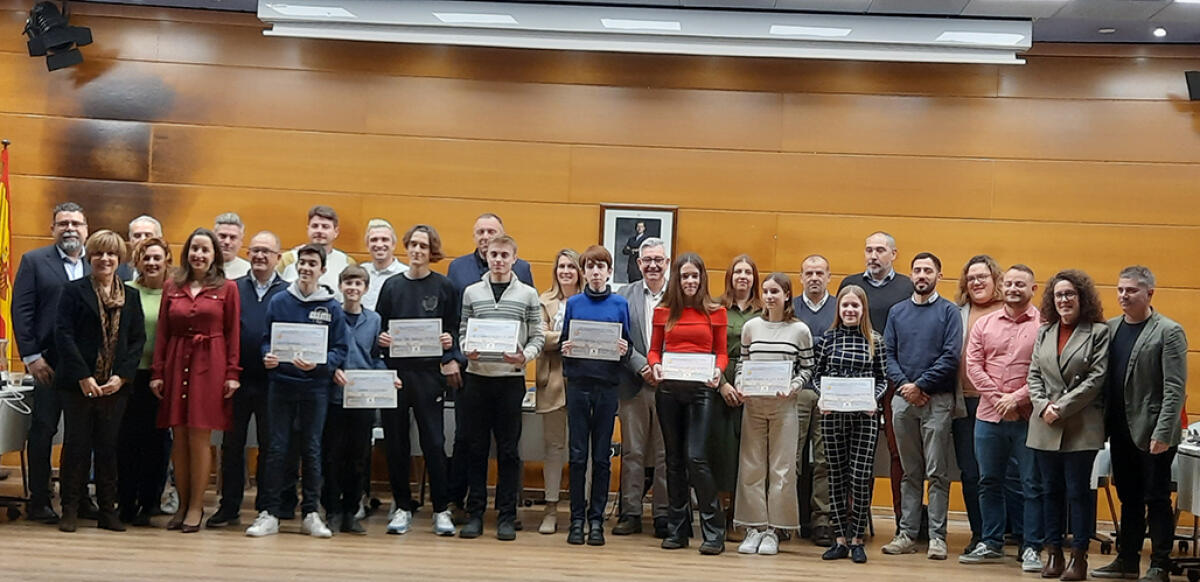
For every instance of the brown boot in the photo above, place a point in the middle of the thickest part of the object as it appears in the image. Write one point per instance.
(1053, 567)
(1077, 568)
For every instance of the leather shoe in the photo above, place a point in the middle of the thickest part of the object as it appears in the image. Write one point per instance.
(1053, 568)
(627, 525)
(506, 531)
(1077, 568)
(712, 547)
(822, 536)
(473, 528)
(42, 514)
(596, 534)
(68, 521)
(674, 543)
(575, 533)
(110, 521)
(223, 518)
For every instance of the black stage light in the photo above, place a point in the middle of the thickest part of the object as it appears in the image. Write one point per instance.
(51, 36)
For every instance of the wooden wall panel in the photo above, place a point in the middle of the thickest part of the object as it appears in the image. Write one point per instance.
(81, 148)
(993, 128)
(719, 236)
(1097, 78)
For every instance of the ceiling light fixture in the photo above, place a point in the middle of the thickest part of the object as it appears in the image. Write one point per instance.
(991, 38)
(820, 31)
(1106, 30)
(629, 24)
(474, 18)
(1160, 32)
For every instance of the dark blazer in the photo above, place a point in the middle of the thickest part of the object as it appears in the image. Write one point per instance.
(631, 381)
(77, 335)
(1074, 381)
(39, 281)
(1155, 381)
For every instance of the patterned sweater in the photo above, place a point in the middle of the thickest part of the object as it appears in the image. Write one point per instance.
(518, 302)
(767, 341)
(843, 352)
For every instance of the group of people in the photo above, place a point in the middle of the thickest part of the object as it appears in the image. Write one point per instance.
(142, 357)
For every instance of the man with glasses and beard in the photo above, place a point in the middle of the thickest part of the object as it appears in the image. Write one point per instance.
(39, 281)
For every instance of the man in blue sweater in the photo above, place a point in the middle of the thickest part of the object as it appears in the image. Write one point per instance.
(924, 342)
(592, 394)
(298, 393)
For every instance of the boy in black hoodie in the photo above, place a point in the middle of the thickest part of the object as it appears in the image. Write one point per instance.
(299, 391)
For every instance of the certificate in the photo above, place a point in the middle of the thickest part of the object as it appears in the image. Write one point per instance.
(415, 338)
(766, 378)
(492, 335)
(689, 367)
(847, 394)
(595, 340)
(307, 341)
(369, 389)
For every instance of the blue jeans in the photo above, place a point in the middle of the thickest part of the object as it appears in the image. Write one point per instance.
(307, 411)
(591, 412)
(1066, 480)
(963, 430)
(995, 444)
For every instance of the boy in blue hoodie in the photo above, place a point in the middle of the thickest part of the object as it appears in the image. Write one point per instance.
(298, 392)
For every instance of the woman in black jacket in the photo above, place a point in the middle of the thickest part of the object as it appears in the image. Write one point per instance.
(98, 338)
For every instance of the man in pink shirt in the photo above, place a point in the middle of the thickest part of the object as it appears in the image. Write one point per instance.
(998, 354)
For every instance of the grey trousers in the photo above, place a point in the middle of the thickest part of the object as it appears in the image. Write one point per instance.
(641, 443)
(925, 443)
(818, 467)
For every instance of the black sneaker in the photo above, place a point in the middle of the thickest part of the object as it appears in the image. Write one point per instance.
(41, 514)
(334, 521)
(836, 552)
(858, 554)
(351, 524)
(1118, 569)
(223, 518)
(575, 533)
(596, 534)
(473, 528)
(506, 531)
(627, 525)
(674, 543)
(141, 518)
(1156, 574)
(712, 547)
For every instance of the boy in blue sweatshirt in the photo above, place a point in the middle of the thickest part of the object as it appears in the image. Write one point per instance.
(348, 430)
(592, 395)
(299, 391)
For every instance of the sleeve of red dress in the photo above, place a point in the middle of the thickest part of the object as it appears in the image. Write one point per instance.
(233, 331)
(162, 334)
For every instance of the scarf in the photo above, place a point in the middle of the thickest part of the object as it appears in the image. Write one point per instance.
(110, 301)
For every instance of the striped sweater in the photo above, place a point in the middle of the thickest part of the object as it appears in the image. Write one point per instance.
(769, 341)
(520, 302)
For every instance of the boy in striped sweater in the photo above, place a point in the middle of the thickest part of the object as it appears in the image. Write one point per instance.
(495, 386)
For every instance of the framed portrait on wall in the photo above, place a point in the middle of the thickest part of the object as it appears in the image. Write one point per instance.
(623, 228)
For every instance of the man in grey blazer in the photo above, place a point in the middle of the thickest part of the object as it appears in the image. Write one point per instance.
(641, 437)
(1147, 375)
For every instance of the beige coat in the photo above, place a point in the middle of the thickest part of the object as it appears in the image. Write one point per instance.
(1075, 382)
(551, 388)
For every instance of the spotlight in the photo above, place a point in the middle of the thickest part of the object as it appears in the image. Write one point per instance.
(51, 36)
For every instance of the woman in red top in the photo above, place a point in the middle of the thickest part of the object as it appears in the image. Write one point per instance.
(689, 322)
(195, 370)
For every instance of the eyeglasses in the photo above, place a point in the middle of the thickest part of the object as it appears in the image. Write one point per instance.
(1065, 295)
(653, 260)
(69, 224)
(978, 278)
(263, 251)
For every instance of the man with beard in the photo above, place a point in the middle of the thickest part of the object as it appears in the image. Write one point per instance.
(322, 231)
(40, 279)
(924, 340)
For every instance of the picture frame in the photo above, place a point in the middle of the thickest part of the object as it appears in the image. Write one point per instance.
(619, 234)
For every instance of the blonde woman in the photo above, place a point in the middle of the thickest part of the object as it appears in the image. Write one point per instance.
(551, 393)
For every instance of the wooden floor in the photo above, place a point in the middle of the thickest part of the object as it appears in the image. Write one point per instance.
(40, 552)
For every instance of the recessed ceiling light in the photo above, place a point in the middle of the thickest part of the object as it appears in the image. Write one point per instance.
(1160, 32)
(1106, 30)
(628, 24)
(823, 31)
(474, 18)
(1187, 1)
(981, 37)
(321, 11)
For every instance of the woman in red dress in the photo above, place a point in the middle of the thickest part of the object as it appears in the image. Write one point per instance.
(195, 370)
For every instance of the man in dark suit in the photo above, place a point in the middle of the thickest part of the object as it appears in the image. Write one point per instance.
(39, 282)
(632, 246)
(641, 437)
(1147, 376)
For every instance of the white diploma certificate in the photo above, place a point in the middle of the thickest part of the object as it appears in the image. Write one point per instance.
(766, 378)
(369, 389)
(595, 340)
(415, 338)
(847, 394)
(492, 336)
(307, 341)
(689, 367)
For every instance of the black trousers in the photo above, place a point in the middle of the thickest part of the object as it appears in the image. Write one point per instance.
(47, 408)
(424, 392)
(683, 413)
(1144, 487)
(90, 429)
(493, 409)
(249, 401)
(142, 450)
(344, 451)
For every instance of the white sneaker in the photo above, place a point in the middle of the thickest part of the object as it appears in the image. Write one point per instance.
(443, 524)
(937, 550)
(314, 526)
(264, 525)
(769, 546)
(901, 544)
(751, 541)
(401, 521)
(1031, 560)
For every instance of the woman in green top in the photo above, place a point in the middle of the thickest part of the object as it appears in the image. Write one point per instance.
(141, 445)
(742, 301)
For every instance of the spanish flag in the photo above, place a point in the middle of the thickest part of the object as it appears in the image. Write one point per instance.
(6, 271)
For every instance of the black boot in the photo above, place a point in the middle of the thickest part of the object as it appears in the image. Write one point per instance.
(109, 520)
(575, 533)
(68, 520)
(596, 535)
